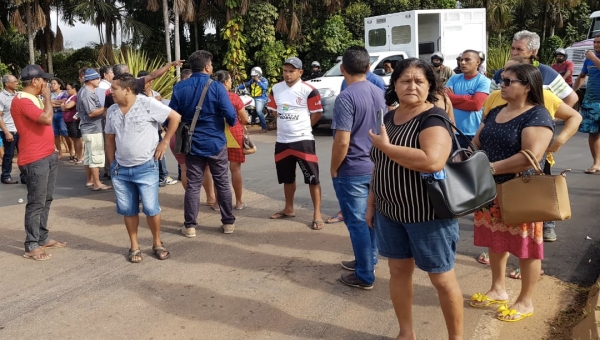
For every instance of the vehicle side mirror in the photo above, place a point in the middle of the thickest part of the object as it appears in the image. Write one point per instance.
(379, 72)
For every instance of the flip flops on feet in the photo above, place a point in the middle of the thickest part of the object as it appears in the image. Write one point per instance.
(592, 171)
(54, 244)
(38, 256)
(335, 219)
(102, 188)
(281, 215)
(479, 300)
(516, 274)
(511, 315)
(483, 258)
(317, 225)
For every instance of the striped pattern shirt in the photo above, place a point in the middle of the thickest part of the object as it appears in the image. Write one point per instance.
(400, 193)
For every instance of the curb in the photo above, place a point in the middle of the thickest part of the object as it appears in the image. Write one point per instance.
(589, 328)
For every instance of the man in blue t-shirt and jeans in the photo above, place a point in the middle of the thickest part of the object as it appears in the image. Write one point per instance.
(354, 114)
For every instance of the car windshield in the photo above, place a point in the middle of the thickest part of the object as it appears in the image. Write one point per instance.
(336, 72)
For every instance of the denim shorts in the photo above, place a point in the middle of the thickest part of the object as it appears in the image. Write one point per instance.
(131, 183)
(432, 244)
(58, 125)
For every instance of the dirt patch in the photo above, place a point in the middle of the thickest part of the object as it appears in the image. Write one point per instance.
(561, 326)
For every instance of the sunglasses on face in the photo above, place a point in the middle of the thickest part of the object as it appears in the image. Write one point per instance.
(507, 81)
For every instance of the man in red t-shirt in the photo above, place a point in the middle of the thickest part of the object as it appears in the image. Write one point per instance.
(563, 66)
(38, 159)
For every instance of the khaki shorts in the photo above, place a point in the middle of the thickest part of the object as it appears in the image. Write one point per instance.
(93, 155)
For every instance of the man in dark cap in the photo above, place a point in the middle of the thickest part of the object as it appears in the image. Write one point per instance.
(38, 158)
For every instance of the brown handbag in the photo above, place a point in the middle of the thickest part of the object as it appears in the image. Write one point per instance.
(534, 198)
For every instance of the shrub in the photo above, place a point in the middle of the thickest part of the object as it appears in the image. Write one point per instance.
(497, 57)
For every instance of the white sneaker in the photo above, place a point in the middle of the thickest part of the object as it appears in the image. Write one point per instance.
(188, 232)
(228, 228)
(170, 181)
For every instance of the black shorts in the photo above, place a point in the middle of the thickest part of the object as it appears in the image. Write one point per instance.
(73, 129)
(303, 153)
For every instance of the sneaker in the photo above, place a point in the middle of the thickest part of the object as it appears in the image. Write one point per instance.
(188, 232)
(549, 235)
(351, 280)
(228, 228)
(162, 183)
(170, 181)
(349, 265)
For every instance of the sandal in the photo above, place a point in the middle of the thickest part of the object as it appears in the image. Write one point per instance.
(479, 300)
(335, 219)
(281, 214)
(592, 171)
(317, 225)
(135, 256)
(161, 252)
(484, 258)
(71, 159)
(102, 188)
(516, 274)
(54, 244)
(77, 161)
(511, 315)
(43, 256)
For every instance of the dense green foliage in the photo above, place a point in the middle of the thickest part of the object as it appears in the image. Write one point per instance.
(243, 33)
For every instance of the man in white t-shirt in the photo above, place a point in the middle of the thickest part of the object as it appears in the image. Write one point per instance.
(133, 151)
(298, 107)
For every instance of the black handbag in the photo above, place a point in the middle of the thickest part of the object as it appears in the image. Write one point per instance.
(184, 132)
(464, 185)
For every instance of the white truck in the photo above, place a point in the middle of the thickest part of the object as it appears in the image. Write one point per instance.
(576, 52)
(410, 34)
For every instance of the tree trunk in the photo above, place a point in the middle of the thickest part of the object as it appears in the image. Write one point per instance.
(108, 32)
(29, 20)
(48, 37)
(176, 29)
(167, 23)
(544, 28)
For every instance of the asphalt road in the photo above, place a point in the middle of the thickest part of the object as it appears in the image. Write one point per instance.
(573, 258)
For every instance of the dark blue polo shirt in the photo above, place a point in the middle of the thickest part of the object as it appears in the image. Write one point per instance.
(209, 134)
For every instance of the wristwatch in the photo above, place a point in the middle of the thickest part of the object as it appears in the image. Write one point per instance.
(492, 169)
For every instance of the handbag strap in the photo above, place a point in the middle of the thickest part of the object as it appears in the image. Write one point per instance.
(199, 107)
(453, 135)
(532, 159)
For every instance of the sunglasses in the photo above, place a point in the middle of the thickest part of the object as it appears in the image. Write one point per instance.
(507, 81)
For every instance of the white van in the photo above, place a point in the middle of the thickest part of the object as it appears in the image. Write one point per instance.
(410, 34)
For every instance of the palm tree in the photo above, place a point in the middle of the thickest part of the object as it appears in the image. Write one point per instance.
(34, 20)
(153, 6)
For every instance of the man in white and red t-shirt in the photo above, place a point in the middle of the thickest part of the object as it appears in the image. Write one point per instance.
(38, 159)
(298, 107)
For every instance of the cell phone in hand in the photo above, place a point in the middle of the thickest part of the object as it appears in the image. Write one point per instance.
(378, 121)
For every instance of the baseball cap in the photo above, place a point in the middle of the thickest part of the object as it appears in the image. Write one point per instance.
(34, 71)
(297, 63)
(90, 74)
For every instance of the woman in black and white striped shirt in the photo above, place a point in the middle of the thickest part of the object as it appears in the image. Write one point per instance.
(408, 233)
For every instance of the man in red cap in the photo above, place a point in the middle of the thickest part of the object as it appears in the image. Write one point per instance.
(38, 158)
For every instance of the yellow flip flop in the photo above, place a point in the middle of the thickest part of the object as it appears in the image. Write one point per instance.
(479, 300)
(511, 315)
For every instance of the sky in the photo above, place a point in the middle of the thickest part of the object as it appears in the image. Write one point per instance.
(81, 35)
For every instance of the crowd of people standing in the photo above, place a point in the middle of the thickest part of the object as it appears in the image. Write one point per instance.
(376, 169)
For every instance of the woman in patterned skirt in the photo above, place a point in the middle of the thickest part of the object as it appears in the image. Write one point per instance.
(523, 123)
(235, 150)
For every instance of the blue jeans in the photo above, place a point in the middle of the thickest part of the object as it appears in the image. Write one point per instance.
(352, 193)
(163, 173)
(9, 153)
(59, 126)
(41, 178)
(131, 183)
(259, 104)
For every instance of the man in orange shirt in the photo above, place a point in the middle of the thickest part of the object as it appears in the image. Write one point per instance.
(38, 158)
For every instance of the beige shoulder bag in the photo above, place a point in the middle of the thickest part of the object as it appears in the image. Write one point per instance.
(534, 198)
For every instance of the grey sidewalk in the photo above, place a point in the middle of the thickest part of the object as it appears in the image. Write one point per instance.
(271, 279)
